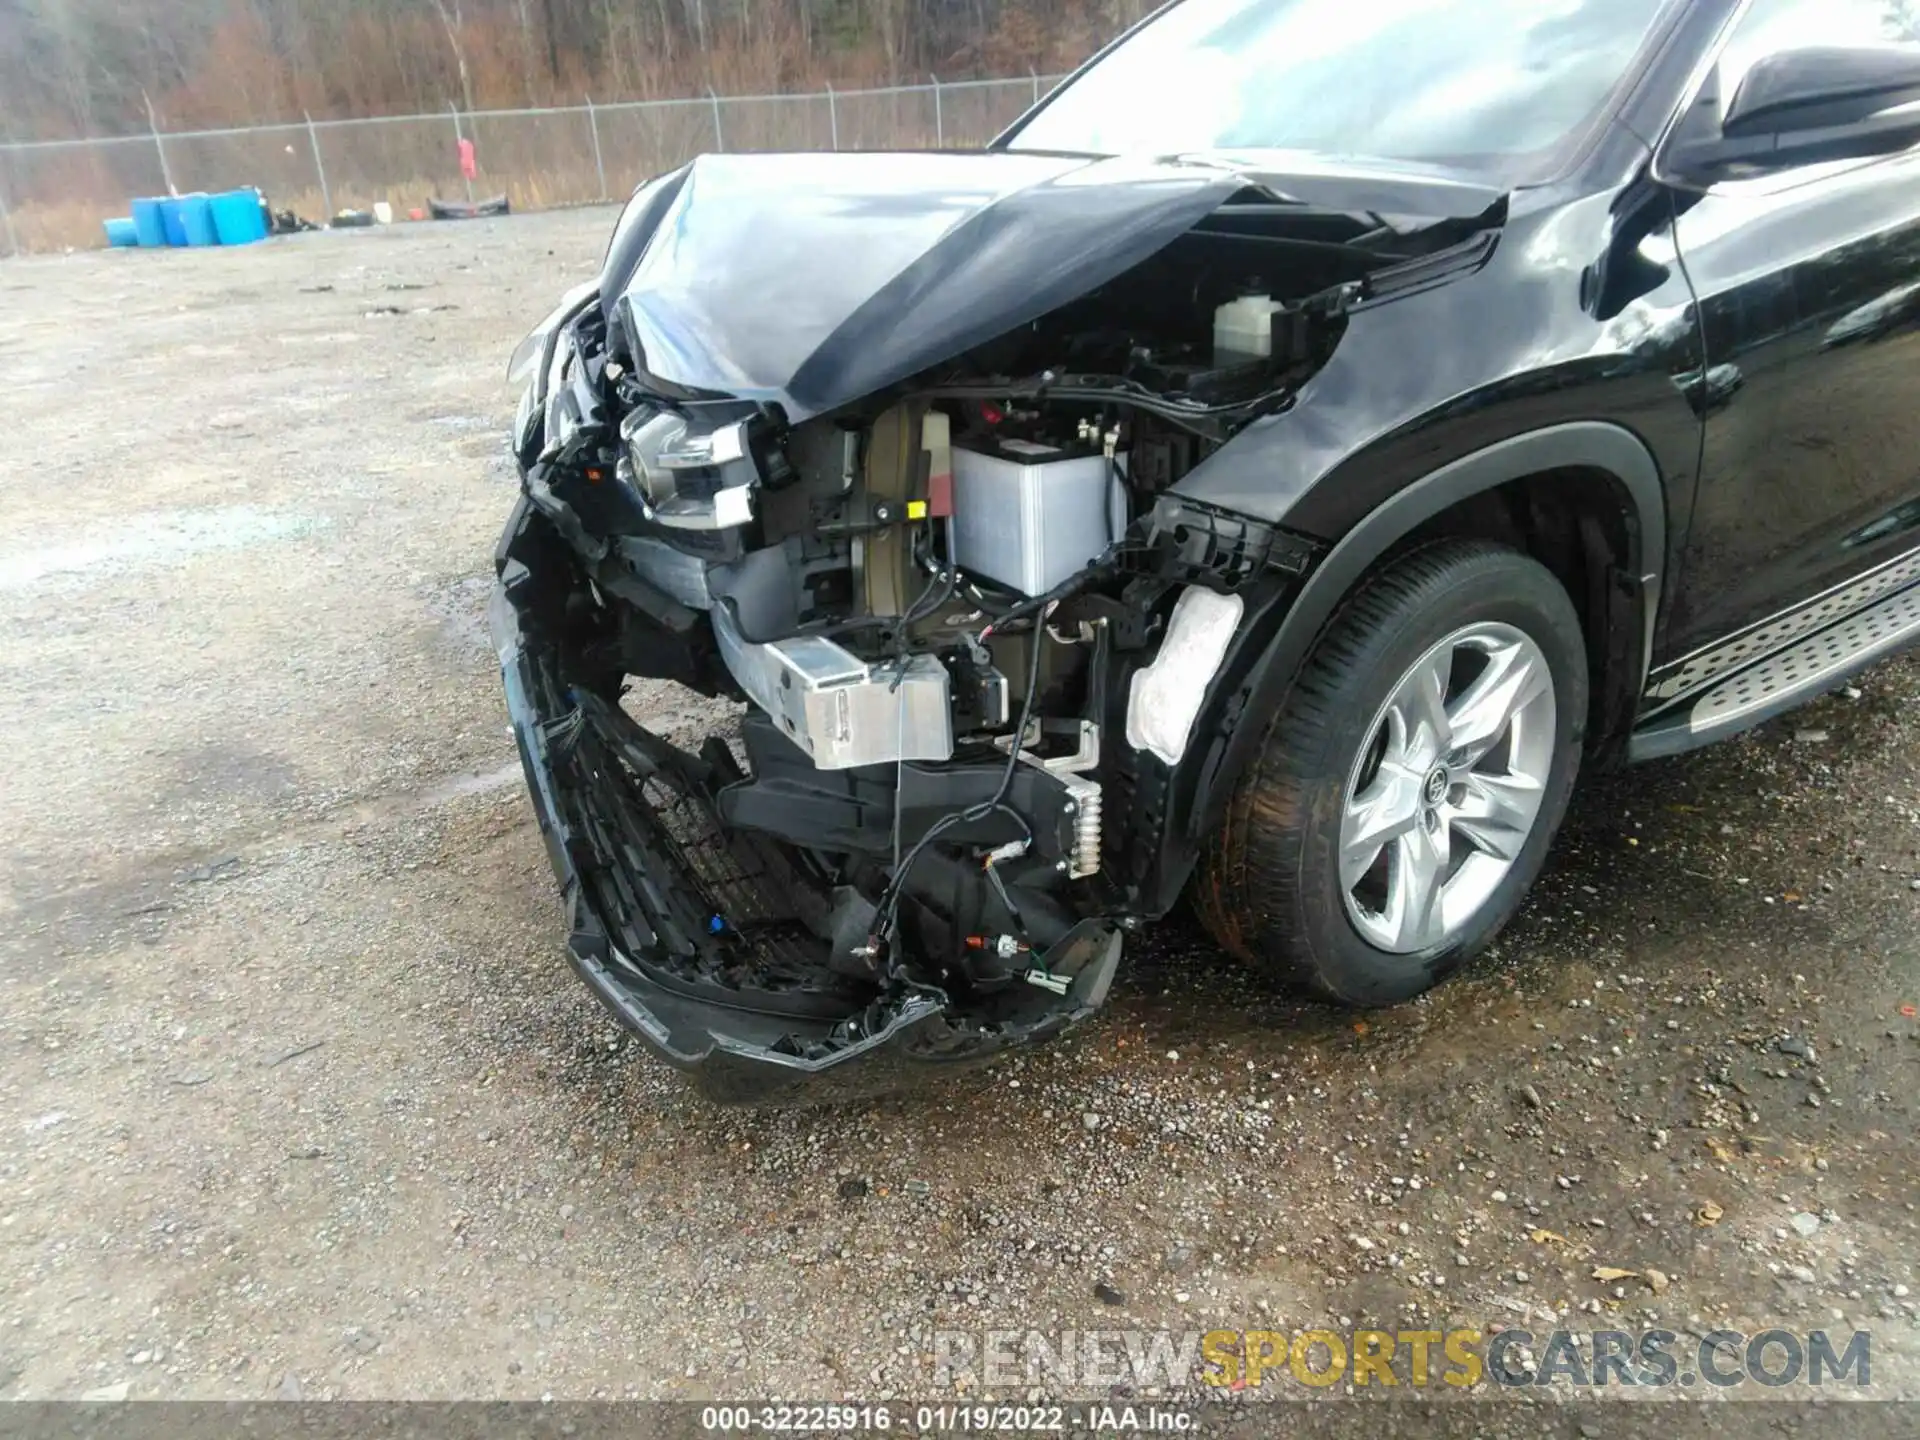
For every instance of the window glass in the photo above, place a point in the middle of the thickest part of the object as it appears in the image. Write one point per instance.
(1774, 25)
(1492, 86)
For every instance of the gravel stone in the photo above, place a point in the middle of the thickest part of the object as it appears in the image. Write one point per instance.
(274, 814)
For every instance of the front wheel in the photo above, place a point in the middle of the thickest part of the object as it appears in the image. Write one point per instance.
(1409, 786)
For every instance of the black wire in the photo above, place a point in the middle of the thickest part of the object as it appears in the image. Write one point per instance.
(1026, 715)
(949, 578)
(1073, 582)
(1117, 390)
(1106, 507)
(887, 912)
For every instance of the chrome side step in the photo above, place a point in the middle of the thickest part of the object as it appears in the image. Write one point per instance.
(1786, 678)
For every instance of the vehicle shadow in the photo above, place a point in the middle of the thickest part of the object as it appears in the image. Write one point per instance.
(1658, 868)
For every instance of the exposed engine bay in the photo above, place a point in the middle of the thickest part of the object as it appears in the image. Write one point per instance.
(971, 629)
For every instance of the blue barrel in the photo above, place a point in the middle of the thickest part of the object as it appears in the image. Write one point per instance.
(148, 225)
(172, 221)
(121, 232)
(238, 218)
(196, 220)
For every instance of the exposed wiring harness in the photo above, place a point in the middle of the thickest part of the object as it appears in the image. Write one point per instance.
(1209, 421)
(940, 587)
(1073, 583)
(887, 912)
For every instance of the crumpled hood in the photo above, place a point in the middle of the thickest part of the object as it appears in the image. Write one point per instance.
(813, 280)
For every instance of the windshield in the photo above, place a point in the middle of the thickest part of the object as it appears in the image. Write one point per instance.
(1496, 87)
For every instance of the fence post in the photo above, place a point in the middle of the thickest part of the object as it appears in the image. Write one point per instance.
(833, 117)
(166, 171)
(599, 165)
(458, 136)
(320, 169)
(6, 220)
(719, 136)
(939, 118)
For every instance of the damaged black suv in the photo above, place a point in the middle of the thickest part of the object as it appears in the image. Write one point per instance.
(1268, 472)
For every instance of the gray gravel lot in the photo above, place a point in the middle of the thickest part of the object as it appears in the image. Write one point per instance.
(297, 1096)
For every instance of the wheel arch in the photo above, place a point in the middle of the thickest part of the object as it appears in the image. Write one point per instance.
(1601, 454)
(1612, 452)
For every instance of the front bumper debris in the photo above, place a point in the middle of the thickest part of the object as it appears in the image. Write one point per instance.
(695, 938)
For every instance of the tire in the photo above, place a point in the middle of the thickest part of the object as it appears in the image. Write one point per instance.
(1404, 653)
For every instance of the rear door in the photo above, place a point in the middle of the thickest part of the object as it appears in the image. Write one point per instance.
(1808, 283)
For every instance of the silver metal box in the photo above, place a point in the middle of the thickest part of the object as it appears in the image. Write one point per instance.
(835, 706)
(1031, 521)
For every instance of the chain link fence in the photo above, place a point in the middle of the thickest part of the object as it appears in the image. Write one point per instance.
(56, 193)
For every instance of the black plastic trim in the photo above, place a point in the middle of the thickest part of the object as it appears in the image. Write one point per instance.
(1594, 445)
(1674, 732)
(735, 1054)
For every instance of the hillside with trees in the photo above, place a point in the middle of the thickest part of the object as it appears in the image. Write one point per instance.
(91, 67)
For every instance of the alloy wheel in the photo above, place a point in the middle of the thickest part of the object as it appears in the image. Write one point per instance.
(1447, 788)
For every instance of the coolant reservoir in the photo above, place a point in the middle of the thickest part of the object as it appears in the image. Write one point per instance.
(1243, 330)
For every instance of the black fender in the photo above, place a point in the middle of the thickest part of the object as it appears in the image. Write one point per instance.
(1236, 718)
(1588, 445)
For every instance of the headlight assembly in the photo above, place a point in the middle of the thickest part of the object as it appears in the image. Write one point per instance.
(523, 419)
(691, 478)
(561, 408)
(532, 366)
(531, 355)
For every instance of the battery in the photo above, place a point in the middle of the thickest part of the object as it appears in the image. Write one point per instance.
(1029, 514)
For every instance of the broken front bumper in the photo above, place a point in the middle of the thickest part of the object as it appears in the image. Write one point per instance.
(660, 917)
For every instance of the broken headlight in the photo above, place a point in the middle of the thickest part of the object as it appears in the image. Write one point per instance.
(532, 364)
(562, 409)
(523, 420)
(692, 478)
(531, 355)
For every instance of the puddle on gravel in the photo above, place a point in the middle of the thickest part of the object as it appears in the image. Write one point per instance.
(459, 787)
(165, 537)
(460, 607)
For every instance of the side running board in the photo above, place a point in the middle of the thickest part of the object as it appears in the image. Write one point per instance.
(1785, 679)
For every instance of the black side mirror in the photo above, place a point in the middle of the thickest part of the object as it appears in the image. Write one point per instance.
(1804, 107)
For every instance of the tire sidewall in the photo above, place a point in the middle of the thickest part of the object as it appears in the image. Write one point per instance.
(1518, 592)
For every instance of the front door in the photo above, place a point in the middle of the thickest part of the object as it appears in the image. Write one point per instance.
(1808, 283)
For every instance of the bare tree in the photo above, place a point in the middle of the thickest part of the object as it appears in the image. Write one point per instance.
(80, 66)
(553, 44)
(450, 19)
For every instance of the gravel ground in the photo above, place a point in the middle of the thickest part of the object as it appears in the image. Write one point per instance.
(297, 1096)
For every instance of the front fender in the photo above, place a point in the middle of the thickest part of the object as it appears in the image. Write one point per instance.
(1587, 445)
(1539, 338)
(1561, 353)
(1285, 621)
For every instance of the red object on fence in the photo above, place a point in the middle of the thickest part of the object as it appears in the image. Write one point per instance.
(468, 169)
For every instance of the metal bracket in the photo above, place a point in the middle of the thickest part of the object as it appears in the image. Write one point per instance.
(1086, 755)
(1084, 802)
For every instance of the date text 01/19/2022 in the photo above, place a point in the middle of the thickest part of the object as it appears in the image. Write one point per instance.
(943, 1418)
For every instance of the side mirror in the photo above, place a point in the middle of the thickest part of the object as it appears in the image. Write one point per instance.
(1805, 107)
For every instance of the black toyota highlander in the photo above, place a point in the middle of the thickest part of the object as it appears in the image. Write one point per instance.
(1268, 473)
